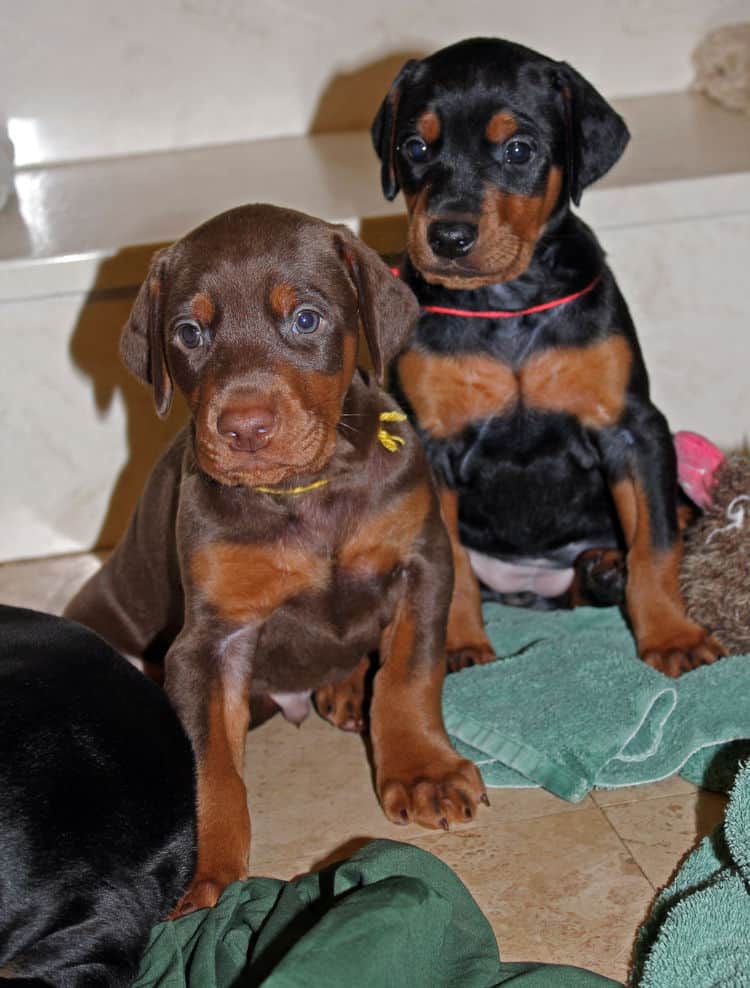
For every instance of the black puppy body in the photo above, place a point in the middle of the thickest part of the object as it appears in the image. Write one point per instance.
(524, 374)
(531, 482)
(97, 806)
(507, 467)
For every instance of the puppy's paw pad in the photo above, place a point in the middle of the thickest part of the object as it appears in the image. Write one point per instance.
(436, 798)
(685, 652)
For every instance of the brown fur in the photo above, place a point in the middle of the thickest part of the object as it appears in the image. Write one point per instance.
(588, 382)
(283, 299)
(380, 541)
(224, 843)
(272, 553)
(428, 127)
(202, 309)
(666, 637)
(449, 392)
(248, 582)
(714, 574)
(509, 228)
(500, 127)
(467, 640)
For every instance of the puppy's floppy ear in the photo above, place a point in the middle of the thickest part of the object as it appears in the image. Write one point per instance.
(383, 130)
(388, 309)
(595, 135)
(142, 341)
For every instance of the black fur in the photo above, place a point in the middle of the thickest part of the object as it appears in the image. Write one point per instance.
(541, 422)
(531, 482)
(97, 806)
(573, 122)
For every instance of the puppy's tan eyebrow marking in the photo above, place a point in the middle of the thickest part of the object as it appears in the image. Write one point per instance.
(501, 126)
(428, 126)
(202, 308)
(283, 299)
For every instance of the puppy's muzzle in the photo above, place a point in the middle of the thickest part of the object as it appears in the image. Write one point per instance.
(247, 428)
(451, 240)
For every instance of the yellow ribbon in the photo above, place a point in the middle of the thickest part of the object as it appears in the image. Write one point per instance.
(388, 439)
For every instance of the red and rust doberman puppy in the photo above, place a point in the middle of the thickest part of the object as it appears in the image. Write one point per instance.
(292, 528)
(524, 373)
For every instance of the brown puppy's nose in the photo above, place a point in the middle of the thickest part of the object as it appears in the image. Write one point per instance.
(248, 428)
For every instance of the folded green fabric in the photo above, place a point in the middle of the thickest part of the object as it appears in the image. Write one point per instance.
(698, 934)
(392, 915)
(716, 767)
(570, 706)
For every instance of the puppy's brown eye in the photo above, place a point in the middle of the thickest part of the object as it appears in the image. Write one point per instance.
(517, 152)
(306, 321)
(190, 334)
(415, 149)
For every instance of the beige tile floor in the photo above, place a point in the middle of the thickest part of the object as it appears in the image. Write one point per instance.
(559, 882)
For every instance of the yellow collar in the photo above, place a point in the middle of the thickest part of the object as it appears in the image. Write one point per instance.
(293, 490)
(386, 439)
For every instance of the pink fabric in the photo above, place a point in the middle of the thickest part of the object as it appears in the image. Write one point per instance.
(697, 462)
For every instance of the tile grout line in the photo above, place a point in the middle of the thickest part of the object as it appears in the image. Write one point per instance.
(625, 847)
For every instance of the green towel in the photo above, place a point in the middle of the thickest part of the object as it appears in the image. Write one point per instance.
(715, 767)
(392, 915)
(570, 706)
(698, 934)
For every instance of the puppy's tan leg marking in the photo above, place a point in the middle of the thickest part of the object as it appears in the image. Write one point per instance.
(419, 777)
(667, 639)
(223, 817)
(467, 642)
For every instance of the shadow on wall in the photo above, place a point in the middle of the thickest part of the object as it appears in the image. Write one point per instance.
(350, 101)
(94, 349)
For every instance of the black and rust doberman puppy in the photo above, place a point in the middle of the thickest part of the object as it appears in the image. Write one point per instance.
(97, 806)
(292, 528)
(524, 373)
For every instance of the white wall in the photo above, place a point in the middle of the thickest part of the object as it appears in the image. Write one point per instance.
(95, 78)
(78, 434)
(89, 78)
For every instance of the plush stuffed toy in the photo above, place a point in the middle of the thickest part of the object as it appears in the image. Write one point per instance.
(722, 66)
(715, 574)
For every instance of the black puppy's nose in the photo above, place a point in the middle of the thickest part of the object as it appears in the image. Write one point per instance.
(451, 239)
(248, 428)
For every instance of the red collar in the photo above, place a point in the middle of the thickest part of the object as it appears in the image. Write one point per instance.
(443, 310)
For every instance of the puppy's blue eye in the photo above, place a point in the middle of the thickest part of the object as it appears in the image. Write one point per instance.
(517, 152)
(415, 149)
(190, 334)
(306, 321)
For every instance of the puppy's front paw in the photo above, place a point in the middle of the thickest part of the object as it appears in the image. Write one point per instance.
(680, 651)
(600, 576)
(343, 703)
(462, 656)
(435, 790)
(203, 893)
